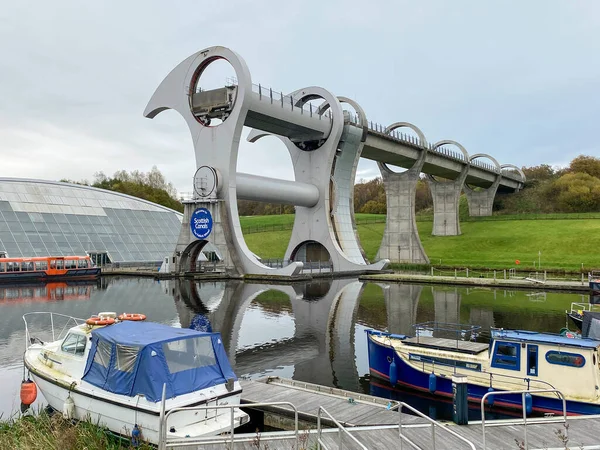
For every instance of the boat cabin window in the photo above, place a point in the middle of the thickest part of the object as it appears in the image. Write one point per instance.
(187, 354)
(126, 356)
(53, 264)
(102, 355)
(74, 343)
(507, 355)
(565, 359)
(532, 360)
(82, 264)
(2, 267)
(41, 265)
(60, 264)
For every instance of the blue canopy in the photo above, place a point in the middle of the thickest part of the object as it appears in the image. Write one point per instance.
(132, 358)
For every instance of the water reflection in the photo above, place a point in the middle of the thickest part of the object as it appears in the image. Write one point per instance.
(311, 331)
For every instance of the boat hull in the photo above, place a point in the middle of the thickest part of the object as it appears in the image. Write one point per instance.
(380, 357)
(41, 276)
(121, 419)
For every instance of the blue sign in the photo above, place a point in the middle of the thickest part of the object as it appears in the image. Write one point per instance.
(201, 223)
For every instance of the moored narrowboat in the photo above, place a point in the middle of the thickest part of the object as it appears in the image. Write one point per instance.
(513, 360)
(47, 268)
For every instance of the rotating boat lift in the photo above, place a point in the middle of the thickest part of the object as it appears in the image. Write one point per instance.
(325, 143)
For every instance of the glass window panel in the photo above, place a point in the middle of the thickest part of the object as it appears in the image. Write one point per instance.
(9, 216)
(49, 218)
(27, 249)
(84, 220)
(55, 227)
(22, 217)
(28, 227)
(41, 227)
(126, 357)
(6, 236)
(20, 236)
(5, 206)
(188, 354)
(36, 217)
(61, 218)
(3, 225)
(102, 355)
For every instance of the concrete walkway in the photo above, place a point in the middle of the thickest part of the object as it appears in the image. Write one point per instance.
(518, 283)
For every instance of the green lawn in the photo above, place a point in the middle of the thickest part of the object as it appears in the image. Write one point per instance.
(564, 243)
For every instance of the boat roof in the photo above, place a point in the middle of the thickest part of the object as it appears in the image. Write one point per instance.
(545, 338)
(143, 333)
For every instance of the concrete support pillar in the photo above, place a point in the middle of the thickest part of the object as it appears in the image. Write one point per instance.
(481, 202)
(446, 195)
(401, 242)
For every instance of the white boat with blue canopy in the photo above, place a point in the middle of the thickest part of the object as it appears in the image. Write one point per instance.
(114, 375)
(513, 360)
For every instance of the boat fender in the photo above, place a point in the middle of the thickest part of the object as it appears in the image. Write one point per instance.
(136, 435)
(432, 383)
(28, 392)
(68, 408)
(528, 403)
(393, 373)
(490, 399)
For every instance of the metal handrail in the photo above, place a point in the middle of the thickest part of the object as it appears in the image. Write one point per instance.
(51, 314)
(341, 432)
(163, 443)
(425, 360)
(538, 420)
(434, 423)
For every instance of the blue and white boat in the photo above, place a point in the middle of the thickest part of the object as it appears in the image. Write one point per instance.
(113, 371)
(512, 361)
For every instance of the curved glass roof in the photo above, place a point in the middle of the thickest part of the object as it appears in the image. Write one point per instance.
(44, 218)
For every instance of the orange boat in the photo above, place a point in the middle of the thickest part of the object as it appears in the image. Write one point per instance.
(47, 268)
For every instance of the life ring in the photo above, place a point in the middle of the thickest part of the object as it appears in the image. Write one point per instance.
(95, 320)
(132, 316)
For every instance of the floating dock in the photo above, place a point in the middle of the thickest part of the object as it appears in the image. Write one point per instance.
(362, 422)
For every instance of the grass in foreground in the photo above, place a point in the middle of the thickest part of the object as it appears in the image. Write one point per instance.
(563, 243)
(45, 432)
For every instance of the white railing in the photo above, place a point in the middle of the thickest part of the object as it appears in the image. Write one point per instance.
(229, 440)
(524, 422)
(434, 424)
(341, 432)
(69, 323)
(275, 97)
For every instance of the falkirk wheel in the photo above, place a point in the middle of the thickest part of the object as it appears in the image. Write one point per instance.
(325, 152)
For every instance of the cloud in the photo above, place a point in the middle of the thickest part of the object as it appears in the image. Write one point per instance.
(514, 79)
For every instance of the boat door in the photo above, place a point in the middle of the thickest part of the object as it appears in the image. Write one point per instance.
(532, 360)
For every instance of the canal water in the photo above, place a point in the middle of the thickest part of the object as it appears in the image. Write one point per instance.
(313, 332)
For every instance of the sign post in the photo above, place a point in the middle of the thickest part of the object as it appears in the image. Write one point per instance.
(201, 223)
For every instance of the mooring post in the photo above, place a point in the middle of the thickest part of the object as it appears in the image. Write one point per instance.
(467, 272)
(494, 275)
(432, 274)
(505, 274)
(460, 401)
(455, 274)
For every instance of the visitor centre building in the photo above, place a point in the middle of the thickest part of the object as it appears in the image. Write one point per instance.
(48, 218)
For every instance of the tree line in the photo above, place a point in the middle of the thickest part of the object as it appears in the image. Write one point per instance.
(572, 189)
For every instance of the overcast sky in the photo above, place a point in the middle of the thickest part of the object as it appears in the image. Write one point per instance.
(517, 79)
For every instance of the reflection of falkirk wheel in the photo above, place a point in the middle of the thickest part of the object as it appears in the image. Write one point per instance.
(322, 347)
(323, 230)
(401, 302)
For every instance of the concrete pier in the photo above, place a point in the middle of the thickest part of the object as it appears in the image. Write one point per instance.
(401, 242)
(446, 195)
(481, 201)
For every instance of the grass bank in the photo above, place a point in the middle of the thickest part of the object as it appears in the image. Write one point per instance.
(565, 242)
(52, 432)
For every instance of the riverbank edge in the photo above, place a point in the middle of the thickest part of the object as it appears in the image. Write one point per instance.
(549, 285)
